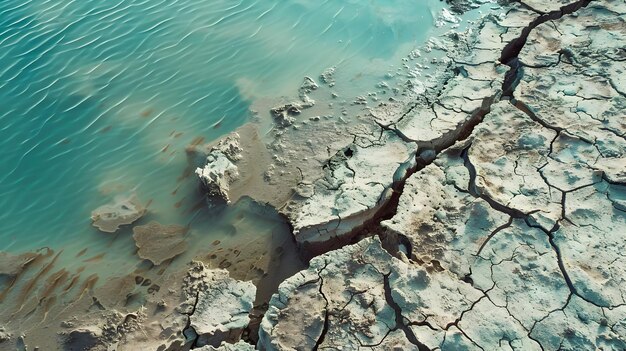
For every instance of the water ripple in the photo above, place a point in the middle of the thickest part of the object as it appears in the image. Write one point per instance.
(102, 97)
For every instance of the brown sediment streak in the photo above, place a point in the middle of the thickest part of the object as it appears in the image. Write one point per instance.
(82, 252)
(95, 258)
(11, 283)
(197, 206)
(46, 298)
(179, 203)
(72, 282)
(89, 284)
(31, 284)
(53, 282)
(47, 304)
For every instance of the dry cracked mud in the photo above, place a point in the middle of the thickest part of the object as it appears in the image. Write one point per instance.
(481, 207)
(510, 231)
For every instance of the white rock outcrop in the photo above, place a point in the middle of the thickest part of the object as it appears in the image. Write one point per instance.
(220, 169)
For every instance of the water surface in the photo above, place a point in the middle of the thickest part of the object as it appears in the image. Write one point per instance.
(100, 98)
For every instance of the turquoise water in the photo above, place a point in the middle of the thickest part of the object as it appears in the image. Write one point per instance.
(101, 97)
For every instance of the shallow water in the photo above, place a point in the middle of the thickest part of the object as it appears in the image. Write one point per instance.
(99, 98)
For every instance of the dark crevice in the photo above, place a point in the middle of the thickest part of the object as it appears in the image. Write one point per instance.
(510, 53)
(526, 109)
(496, 231)
(191, 337)
(614, 86)
(400, 323)
(573, 290)
(427, 154)
(463, 131)
(322, 336)
(456, 322)
(473, 190)
(614, 132)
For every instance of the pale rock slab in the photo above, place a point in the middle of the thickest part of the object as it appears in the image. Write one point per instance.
(465, 98)
(220, 305)
(519, 269)
(351, 298)
(582, 326)
(123, 210)
(357, 182)
(492, 327)
(239, 346)
(546, 6)
(569, 165)
(592, 242)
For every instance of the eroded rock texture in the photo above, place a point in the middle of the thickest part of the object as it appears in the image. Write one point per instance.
(219, 306)
(220, 171)
(510, 230)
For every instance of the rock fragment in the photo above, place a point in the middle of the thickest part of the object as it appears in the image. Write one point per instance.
(123, 210)
(4, 335)
(86, 338)
(328, 76)
(221, 305)
(239, 346)
(284, 114)
(220, 169)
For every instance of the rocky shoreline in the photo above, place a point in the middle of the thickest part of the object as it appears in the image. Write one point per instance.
(481, 207)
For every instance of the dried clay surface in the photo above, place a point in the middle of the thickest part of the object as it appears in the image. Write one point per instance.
(511, 234)
(479, 206)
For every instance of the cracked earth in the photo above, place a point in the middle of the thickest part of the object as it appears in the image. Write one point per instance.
(509, 229)
(480, 207)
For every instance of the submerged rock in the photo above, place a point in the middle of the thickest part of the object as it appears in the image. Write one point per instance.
(12, 265)
(308, 85)
(328, 76)
(284, 114)
(159, 243)
(123, 210)
(4, 335)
